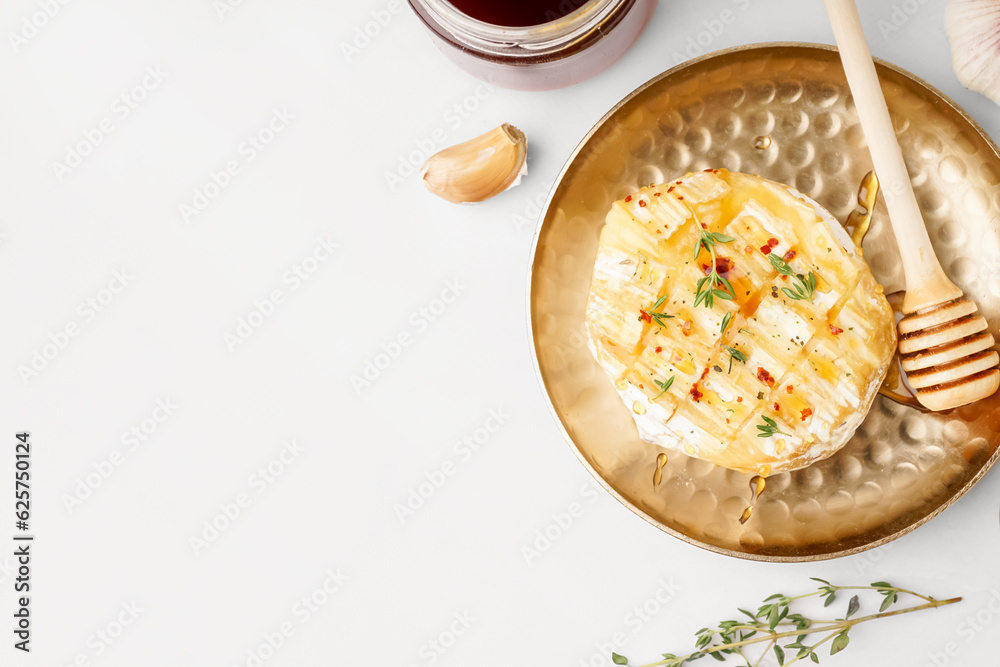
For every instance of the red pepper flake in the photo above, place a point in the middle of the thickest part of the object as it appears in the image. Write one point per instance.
(788, 389)
(656, 194)
(806, 413)
(640, 386)
(642, 204)
(686, 328)
(704, 374)
(748, 250)
(628, 199)
(709, 170)
(670, 189)
(706, 269)
(836, 331)
(766, 249)
(765, 377)
(724, 265)
(681, 197)
(739, 399)
(696, 393)
(658, 231)
(789, 256)
(677, 182)
(772, 242)
(727, 420)
(659, 349)
(644, 316)
(777, 407)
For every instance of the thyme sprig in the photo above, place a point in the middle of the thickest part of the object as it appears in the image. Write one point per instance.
(664, 386)
(768, 428)
(708, 287)
(734, 354)
(774, 622)
(803, 286)
(654, 316)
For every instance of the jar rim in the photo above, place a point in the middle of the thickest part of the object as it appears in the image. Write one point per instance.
(536, 40)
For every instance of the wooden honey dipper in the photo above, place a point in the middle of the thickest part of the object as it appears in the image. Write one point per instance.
(945, 349)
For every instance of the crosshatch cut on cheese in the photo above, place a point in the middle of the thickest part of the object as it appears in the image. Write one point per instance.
(738, 322)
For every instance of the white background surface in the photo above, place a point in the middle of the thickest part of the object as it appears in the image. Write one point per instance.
(333, 506)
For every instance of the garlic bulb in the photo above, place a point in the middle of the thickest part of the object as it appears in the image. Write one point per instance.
(479, 168)
(974, 31)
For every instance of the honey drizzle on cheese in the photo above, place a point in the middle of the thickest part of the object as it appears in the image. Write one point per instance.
(691, 349)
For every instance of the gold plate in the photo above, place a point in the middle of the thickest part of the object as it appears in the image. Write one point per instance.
(782, 111)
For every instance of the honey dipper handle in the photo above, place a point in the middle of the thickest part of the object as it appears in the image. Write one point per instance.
(926, 283)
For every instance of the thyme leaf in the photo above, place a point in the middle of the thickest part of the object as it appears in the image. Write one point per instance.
(734, 354)
(726, 319)
(664, 386)
(768, 428)
(803, 287)
(659, 318)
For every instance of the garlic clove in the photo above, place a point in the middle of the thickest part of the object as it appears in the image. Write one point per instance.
(974, 32)
(479, 168)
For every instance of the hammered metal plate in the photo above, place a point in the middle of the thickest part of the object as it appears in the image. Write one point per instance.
(783, 111)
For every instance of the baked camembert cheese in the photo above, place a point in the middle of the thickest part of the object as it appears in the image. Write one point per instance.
(738, 322)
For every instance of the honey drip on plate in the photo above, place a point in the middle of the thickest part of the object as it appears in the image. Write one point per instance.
(661, 460)
(757, 484)
(895, 386)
